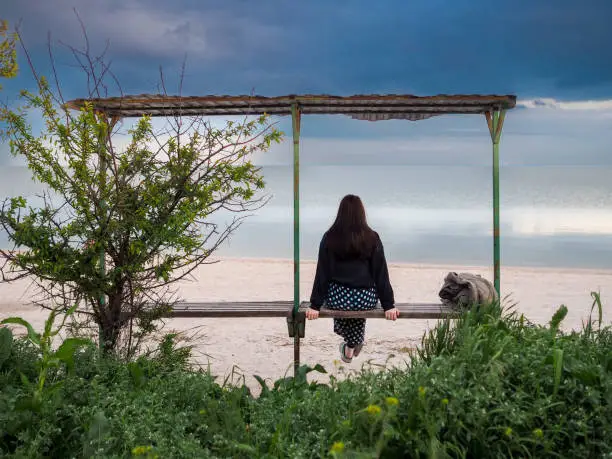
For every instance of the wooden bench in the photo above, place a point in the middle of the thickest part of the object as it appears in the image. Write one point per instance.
(255, 309)
(285, 309)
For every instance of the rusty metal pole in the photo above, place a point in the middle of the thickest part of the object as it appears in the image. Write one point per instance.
(296, 118)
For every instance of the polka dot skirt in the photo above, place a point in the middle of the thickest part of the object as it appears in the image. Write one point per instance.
(345, 298)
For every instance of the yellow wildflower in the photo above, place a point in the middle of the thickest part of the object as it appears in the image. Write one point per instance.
(508, 432)
(337, 447)
(374, 410)
(538, 433)
(422, 391)
(392, 401)
(141, 450)
(445, 401)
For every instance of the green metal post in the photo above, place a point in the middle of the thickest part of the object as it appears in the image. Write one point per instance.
(496, 248)
(296, 117)
(495, 122)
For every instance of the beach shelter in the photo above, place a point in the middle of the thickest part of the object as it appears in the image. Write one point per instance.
(360, 107)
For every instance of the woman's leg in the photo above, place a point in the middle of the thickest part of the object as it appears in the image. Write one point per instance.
(340, 327)
(366, 299)
(354, 332)
(339, 298)
(344, 298)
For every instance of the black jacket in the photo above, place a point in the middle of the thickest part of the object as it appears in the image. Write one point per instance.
(365, 273)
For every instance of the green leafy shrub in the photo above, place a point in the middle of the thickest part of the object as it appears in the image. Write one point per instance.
(489, 385)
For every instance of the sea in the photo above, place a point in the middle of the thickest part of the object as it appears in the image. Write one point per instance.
(551, 216)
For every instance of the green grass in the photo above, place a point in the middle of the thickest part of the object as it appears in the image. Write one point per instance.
(489, 385)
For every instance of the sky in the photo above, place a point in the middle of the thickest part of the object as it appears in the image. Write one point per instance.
(555, 56)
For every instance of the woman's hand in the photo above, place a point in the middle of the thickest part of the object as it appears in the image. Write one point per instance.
(392, 314)
(312, 314)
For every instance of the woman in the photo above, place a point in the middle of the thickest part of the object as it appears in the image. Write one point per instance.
(351, 275)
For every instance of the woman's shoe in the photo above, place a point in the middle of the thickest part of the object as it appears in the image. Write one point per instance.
(357, 350)
(343, 356)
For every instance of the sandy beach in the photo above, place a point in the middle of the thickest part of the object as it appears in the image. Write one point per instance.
(262, 346)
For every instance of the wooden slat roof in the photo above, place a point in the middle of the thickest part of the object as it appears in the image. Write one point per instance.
(364, 107)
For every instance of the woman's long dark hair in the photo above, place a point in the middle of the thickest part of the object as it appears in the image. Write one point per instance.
(350, 236)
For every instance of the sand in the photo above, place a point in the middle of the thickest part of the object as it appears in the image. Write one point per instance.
(262, 346)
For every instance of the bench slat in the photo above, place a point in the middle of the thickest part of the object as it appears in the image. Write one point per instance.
(228, 313)
(407, 311)
(284, 308)
(232, 309)
(236, 304)
(380, 314)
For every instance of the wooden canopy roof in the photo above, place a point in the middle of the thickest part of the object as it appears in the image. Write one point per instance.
(363, 107)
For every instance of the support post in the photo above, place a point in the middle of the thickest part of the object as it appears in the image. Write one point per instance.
(296, 118)
(495, 121)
